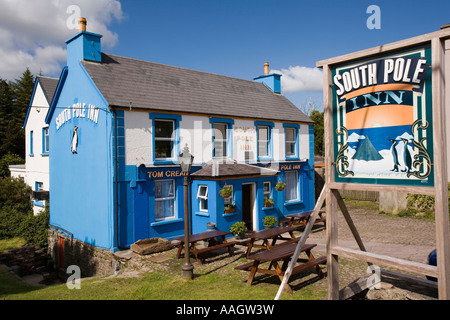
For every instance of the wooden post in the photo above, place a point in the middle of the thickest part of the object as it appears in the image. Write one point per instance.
(331, 204)
(440, 170)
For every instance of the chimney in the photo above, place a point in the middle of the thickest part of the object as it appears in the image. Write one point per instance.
(272, 80)
(84, 45)
(266, 68)
(82, 24)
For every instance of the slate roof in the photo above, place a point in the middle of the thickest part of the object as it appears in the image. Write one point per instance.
(230, 169)
(49, 87)
(153, 86)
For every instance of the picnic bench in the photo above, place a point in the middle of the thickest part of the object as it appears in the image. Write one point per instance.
(282, 254)
(269, 237)
(208, 236)
(302, 218)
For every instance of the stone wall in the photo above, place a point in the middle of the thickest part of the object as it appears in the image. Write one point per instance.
(91, 260)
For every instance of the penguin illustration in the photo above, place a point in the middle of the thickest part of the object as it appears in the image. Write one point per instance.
(394, 155)
(407, 157)
(75, 140)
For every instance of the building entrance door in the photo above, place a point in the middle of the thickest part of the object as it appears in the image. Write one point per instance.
(247, 205)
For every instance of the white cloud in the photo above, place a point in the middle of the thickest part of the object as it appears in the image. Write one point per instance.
(299, 78)
(33, 33)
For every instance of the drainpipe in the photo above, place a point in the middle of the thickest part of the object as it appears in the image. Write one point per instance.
(116, 182)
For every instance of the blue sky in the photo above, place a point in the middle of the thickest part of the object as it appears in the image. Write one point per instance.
(229, 37)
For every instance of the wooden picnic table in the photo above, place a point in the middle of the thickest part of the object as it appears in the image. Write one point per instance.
(210, 237)
(282, 253)
(267, 235)
(301, 219)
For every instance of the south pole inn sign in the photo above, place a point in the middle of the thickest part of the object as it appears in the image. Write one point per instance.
(382, 119)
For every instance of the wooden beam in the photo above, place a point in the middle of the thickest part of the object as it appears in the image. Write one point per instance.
(381, 187)
(378, 259)
(440, 169)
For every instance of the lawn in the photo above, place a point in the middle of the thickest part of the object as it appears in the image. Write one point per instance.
(165, 282)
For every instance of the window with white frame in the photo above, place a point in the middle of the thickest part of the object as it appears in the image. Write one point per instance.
(266, 189)
(291, 189)
(263, 141)
(229, 200)
(164, 138)
(202, 196)
(291, 141)
(220, 139)
(164, 199)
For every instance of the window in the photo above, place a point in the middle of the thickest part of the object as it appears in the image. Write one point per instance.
(291, 131)
(202, 195)
(264, 136)
(266, 189)
(290, 137)
(263, 141)
(45, 141)
(39, 186)
(31, 143)
(229, 200)
(164, 139)
(164, 199)
(220, 139)
(291, 190)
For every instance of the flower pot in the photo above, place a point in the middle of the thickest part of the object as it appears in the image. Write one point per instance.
(230, 210)
(267, 205)
(280, 188)
(239, 236)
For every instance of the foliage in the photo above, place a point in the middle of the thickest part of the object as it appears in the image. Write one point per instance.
(8, 160)
(16, 213)
(280, 186)
(268, 202)
(226, 191)
(14, 101)
(229, 206)
(421, 202)
(238, 227)
(318, 118)
(270, 221)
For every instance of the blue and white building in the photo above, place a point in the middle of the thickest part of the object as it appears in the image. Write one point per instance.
(118, 124)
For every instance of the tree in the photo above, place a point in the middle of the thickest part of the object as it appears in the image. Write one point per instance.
(14, 101)
(318, 117)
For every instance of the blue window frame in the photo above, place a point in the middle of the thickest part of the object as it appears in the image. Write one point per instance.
(264, 140)
(222, 135)
(291, 141)
(166, 137)
(31, 143)
(38, 186)
(45, 141)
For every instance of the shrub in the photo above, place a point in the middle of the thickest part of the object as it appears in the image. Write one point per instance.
(270, 221)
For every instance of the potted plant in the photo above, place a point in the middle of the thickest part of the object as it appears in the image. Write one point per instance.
(230, 208)
(238, 229)
(269, 222)
(280, 186)
(226, 191)
(268, 202)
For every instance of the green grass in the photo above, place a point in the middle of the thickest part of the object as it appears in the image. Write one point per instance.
(8, 244)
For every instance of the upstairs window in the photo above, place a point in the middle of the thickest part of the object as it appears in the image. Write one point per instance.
(31, 143)
(220, 140)
(263, 141)
(290, 137)
(45, 141)
(164, 139)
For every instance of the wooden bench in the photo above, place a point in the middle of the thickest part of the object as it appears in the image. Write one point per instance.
(302, 218)
(227, 245)
(281, 253)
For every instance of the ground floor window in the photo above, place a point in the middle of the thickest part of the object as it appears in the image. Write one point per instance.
(202, 195)
(266, 190)
(291, 190)
(164, 199)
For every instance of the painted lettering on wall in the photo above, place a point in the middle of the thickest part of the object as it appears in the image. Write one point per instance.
(166, 174)
(244, 137)
(77, 110)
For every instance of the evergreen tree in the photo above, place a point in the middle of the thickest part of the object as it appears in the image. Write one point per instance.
(318, 117)
(6, 110)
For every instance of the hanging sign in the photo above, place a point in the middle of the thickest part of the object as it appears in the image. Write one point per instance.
(382, 119)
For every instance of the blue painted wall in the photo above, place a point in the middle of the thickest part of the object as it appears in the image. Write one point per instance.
(82, 194)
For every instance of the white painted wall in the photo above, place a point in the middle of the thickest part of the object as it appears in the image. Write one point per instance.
(196, 132)
(36, 165)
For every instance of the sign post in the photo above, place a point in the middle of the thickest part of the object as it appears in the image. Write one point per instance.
(385, 131)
